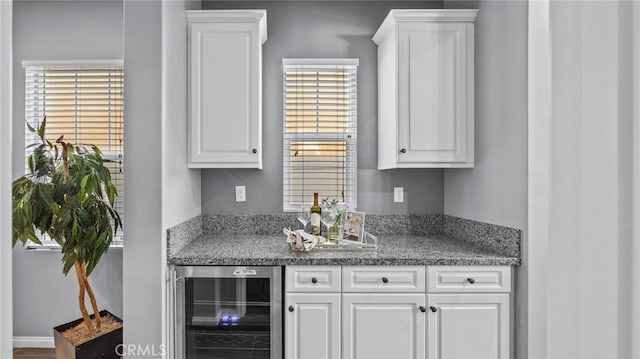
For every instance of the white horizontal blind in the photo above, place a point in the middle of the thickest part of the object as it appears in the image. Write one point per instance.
(320, 117)
(85, 104)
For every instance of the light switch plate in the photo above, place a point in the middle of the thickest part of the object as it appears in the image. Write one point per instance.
(398, 194)
(241, 194)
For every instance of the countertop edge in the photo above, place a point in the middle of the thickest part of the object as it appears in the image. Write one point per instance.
(348, 262)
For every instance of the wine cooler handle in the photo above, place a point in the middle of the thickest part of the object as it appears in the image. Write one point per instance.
(244, 272)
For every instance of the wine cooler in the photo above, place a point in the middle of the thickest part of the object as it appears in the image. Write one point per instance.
(229, 312)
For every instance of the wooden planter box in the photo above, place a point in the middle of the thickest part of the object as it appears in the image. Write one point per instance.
(103, 346)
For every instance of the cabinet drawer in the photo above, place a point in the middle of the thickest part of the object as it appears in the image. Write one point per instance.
(383, 279)
(313, 279)
(443, 279)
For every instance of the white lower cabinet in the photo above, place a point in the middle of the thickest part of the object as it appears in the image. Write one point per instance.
(468, 326)
(358, 317)
(312, 325)
(383, 326)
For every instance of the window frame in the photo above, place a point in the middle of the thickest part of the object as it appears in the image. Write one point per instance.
(349, 136)
(48, 243)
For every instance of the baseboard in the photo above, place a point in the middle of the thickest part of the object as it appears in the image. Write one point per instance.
(33, 342)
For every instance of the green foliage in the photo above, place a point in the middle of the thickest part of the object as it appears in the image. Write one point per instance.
(76, 212)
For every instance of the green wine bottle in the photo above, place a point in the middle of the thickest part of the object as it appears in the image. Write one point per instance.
(315, 215)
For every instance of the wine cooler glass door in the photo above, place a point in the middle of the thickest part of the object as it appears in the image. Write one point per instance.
(230, 312)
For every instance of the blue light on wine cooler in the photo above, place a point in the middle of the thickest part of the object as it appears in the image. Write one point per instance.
(229, 319)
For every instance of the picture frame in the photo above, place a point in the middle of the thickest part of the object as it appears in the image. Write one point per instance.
(353, 223)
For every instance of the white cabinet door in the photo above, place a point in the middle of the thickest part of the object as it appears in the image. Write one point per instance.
(432, 93)
(473, 326)
(225, 81)
(312, 326)
(383, 326)
(426, 89)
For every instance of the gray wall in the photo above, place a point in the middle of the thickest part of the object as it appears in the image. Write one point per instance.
(180, 185)
(144, 259)
(495, 190)
(6, 71)
(58, 30)
(322, 29)
(181, 194)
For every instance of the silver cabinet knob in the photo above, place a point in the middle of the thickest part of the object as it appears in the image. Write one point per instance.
(423, 309)
(433, 309)
(291, 308)
(471, 280)
(385, 280)
(254, 150)
(404, 150)
(314, 280)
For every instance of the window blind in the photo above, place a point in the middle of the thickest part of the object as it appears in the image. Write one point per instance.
(320, 118)
(85, 104)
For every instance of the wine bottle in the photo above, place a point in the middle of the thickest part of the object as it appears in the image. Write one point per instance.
(315, 215)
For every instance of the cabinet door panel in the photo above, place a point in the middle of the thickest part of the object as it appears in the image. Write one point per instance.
(432, 113)
(432, 124)
(468, 326)
(383, 326)
(312, 329)
(225, 90)
(224, 95)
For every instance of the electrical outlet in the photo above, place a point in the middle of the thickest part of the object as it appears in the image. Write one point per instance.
(241, 194)
(398, 194)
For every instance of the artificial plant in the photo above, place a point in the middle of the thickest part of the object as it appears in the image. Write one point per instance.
(68, 195)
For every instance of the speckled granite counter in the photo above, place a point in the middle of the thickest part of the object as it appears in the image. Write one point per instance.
(255, 249)
(402, 240)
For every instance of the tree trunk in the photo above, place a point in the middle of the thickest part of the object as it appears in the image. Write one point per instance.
(81, 272)
(92, 298)
(83, 308)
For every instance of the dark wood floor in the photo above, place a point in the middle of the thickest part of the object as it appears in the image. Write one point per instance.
(33, 353)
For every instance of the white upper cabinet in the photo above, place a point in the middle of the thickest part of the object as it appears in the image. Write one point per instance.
(225, 88)
(426, 89)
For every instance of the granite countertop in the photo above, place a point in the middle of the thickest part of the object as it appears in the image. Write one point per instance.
(257, 249)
